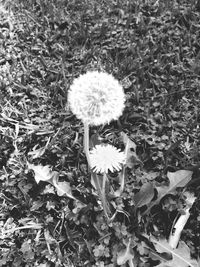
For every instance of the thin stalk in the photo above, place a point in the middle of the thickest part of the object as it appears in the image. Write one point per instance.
(101, 194)
(104, 202)
(104, 184)
(94, 176)
(86, 143)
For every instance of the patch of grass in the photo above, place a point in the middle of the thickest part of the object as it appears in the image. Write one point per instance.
(152, 48)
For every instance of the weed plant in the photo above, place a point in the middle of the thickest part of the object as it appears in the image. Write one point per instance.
(81, 188)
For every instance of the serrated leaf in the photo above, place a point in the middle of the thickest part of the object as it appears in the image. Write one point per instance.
(145, 195)
(180, 256)
(176, 179)
(42, 173)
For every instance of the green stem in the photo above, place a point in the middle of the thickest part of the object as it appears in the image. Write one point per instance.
(86, 143)
(104, 184)
(104, 202)
(101, 191)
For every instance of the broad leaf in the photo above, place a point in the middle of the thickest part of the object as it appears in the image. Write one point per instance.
(179, 257)
(176, 179)
(145, 195)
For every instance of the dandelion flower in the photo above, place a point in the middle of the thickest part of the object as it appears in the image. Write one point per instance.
(106, 157)
(96, 98)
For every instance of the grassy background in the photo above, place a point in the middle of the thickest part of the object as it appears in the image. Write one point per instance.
(152, 47)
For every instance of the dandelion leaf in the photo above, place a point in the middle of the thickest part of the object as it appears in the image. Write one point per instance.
(145, 195)
(179, 257)
(176, 179)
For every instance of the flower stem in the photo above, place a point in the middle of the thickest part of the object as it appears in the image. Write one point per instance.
(104, 202)
(104, 184)
(101, 191)
(86, 142)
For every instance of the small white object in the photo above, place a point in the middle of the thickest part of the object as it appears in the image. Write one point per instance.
(106, 157)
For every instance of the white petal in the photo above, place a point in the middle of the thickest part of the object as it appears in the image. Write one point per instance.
(106, 157)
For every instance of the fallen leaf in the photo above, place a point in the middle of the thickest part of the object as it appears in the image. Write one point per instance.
(42, 173)
(63, 188)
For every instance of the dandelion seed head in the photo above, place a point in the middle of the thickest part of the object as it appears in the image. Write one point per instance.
(96, 98)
